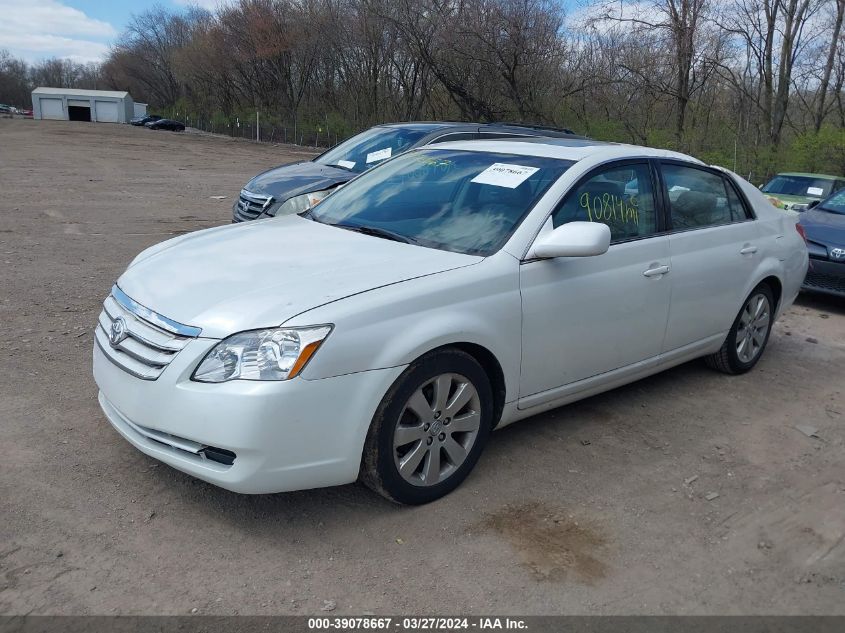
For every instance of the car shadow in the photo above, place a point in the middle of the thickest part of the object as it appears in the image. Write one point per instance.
(822, 302)
(321, 511)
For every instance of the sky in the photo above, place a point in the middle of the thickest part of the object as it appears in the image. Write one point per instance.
(82, 30)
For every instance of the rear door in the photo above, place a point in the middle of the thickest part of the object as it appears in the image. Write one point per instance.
(714, 248)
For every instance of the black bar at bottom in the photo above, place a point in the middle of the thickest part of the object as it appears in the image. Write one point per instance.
(403, 624)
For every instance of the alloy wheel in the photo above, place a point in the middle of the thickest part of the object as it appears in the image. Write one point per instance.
(753, 327)
(436, 429)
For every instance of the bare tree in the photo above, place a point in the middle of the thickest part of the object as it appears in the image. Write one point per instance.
(833, 48)
(15, 86)
(676, 26)
(733, 80)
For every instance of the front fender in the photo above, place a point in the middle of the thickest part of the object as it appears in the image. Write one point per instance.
(394, 325)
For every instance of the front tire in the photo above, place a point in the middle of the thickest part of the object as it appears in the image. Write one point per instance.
(749, 334)
(430, 428)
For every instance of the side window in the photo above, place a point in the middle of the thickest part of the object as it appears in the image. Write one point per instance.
(698, 198)
(621, 197)
(738, 210)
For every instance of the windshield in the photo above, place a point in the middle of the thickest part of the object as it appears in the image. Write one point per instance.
(455, 200)
(369, 148)
(799, 186)
(834, 204)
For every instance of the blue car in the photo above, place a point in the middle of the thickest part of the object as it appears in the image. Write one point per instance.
(823, 225)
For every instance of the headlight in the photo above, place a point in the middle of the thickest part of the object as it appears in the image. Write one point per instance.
(275, 354)
(298, 204)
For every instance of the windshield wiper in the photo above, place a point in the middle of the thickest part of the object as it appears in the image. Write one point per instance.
(377, 232)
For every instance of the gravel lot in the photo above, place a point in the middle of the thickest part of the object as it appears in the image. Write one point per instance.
(597, 508)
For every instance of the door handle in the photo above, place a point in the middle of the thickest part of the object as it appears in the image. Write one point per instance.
(748, 249)
(656, 272)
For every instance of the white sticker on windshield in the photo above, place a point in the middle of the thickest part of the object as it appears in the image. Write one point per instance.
(505, 175)
(815, 191)
(349, 164)
(381, 154)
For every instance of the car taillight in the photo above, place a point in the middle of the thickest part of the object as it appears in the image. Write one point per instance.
(801, 232)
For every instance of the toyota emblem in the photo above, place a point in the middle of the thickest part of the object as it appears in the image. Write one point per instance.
(118, 331)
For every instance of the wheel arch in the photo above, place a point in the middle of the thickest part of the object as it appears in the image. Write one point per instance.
(776, 286)
(770, 272)
(491, 366)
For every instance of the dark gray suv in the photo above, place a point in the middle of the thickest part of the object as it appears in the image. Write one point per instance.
(297, 187)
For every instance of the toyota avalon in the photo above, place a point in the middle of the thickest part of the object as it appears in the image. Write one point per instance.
(383, 334)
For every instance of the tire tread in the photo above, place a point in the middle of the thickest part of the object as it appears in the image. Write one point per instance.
(723, 360)
(720, 361)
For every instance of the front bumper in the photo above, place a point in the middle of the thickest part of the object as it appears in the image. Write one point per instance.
(825, 276)
(286, 435)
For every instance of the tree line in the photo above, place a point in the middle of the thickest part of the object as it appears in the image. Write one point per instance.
(18, 79)
(755, 85)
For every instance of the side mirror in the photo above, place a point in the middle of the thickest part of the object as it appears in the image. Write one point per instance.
(574, 239)
(812, 203)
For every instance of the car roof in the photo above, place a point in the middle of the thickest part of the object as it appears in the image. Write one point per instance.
(429, 126)
(809, 175)
(433, 126)
(540, 130)
(574, 149)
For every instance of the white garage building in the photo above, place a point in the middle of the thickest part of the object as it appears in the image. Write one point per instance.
(70, 104)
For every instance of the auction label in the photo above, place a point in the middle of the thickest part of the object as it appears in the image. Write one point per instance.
(505, 175)
(381, 154)
(349, 164)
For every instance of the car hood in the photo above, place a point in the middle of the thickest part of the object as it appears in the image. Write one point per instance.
(823, 227)
(260, 274)
(292, 180)
(787, 201)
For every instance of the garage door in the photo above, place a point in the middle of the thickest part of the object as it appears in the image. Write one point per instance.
(52, 109)
(106, 111)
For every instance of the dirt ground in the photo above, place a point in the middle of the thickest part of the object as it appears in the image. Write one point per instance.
(597, 508)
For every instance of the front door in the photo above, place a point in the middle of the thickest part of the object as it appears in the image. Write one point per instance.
(584, 316)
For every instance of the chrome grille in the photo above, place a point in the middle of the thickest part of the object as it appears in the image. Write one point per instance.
(250, 205)
(143, 342)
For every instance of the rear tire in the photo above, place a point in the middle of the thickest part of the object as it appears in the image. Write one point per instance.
(430, 428)
(748, 336)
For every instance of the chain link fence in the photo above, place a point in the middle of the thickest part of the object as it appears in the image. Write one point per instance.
(254, 129)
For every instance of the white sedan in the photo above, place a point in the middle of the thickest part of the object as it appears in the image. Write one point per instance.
(455, 289)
